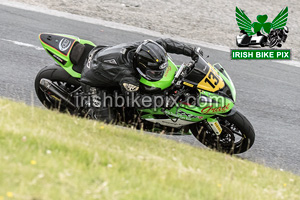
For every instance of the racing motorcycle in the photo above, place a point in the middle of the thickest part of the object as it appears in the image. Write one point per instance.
(213, 120)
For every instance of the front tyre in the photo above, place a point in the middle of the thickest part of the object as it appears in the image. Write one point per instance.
(237, 134)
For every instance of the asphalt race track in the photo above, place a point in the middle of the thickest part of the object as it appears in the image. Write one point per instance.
(268, 93)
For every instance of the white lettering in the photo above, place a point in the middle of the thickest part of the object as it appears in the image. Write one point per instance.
(258, 55)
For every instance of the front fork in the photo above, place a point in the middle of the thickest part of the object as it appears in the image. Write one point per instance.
(214, 125)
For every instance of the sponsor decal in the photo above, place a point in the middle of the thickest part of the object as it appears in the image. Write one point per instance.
(261, 33)
(167, 71)
(169, 122)
(64, 44)
(183, 115)
(130, 87)
(57, 58)
(111, 61)
(186, 114)
(123, 50)
(217, 125)
(188, 84)
(209, 109)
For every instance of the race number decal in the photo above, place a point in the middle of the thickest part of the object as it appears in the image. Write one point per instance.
(212, 81)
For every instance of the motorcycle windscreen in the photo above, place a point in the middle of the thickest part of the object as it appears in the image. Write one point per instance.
(204, 77)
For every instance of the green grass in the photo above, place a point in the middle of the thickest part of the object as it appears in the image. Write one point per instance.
(47, 155)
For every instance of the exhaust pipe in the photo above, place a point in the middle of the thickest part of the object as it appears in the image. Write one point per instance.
(48, 86)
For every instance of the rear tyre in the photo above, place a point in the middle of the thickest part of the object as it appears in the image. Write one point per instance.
(237, 135)
(61, 78)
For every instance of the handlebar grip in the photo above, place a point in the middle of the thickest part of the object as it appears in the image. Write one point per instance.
(191, 63)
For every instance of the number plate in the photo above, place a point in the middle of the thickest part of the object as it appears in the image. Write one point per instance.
(212, 81)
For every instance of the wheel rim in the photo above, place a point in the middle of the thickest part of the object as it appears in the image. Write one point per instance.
(230, 140)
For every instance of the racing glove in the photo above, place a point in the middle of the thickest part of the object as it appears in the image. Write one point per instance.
(197, 51)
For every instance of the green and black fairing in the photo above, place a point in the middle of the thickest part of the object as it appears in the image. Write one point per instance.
(67, 50)
(211, 84)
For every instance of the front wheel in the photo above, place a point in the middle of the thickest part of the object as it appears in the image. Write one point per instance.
(237, 134)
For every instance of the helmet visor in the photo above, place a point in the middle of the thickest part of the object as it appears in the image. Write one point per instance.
(155, 75)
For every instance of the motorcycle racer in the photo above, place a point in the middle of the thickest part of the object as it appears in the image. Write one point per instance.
(203, 95)
(121, 66)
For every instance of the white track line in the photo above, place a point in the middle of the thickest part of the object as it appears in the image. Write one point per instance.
(124, 27)
(23, 44)
(289, 62)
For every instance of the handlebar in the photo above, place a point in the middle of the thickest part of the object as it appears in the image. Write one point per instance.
(178, 73)
(181, 73)
(191, 64)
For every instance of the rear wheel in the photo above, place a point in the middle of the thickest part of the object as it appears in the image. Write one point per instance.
(237, 134)
(62, 79)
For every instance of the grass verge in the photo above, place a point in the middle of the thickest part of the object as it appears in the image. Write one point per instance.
(48, 155)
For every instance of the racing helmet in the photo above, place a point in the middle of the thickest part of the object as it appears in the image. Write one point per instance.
(285, 30)
(150, 60)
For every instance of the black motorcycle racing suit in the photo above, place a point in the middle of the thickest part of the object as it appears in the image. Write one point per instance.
(109, 67)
